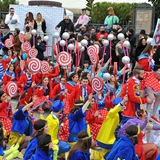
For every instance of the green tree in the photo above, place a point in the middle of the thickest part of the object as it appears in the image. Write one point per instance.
(89, 5)
(4, 4)
(156, 4)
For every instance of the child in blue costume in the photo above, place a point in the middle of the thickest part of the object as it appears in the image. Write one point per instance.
(21, 124)
(80, 151)
(44, 145)
(77, 122)
(41, 127)
(124, 147)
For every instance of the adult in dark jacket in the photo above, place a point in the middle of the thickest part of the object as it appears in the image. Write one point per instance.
(66, 26)
(5, 35)
(156, 56)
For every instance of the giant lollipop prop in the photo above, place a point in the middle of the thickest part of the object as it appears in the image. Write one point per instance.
(56, 36)
(46, 39)
(127, 45)
(33, 32)
(66, 36)
(110, 38)
(105, 44)
(125, 61)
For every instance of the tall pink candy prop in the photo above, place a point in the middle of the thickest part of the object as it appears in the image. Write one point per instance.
(121, 38)
(107, 77)
(46, 39)
(70, 48)
(110, 38)
(62, 44)
(66, 36)
(127, 45)
(125, 61)
(33, 32)
(105, 44)
(56, 36)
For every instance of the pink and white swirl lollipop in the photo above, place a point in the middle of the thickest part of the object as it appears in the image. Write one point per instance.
(8, 43)
(64, 59)
(97, 84)
(94, 58)
(12, 38)
(34, 65)
(26, 46)
(91, 49)
(22, 38)
(32, 52)
(44, 66)
(11, 88)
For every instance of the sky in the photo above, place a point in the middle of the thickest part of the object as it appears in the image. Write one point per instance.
(82, 3)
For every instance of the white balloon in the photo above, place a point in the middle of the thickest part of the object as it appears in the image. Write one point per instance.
(71, 47)
(65, 35)
(46, 38)
(34, 32)
(62, 43)
(79, 45)
(120, 36)
(106, 76)
(105, 42)
(125, 60)
(110, 37)
(84, 42)
(149, 40)
(56, 35)
(126, 44)
(82, 49)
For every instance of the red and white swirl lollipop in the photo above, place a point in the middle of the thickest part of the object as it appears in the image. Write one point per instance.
(26, 46)
(22, 38)
(11, 88)
(55, 49)
(44, 66)
(34, 65)
(97, 84)
(8, 43)
(91, 49)
(32, 52)
(64, 59)
(12, 38)
(94, 58)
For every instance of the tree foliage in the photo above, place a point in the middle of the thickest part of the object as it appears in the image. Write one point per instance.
(4, 4)
(123, 10)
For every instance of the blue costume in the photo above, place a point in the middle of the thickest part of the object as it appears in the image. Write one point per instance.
(123, 149)
(79, 155)
(32, 145)
(40, 155)
(77, 123)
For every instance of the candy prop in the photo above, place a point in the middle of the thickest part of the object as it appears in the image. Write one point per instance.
(107, 76)
(33, 32)
(91, 49)
(127, 45)
(32, 52)
(105, 43)
(22, 38)
(97, 84)
(46, 38)
(110, 38)
(12, 38)
(26, 46)
(34, 65)
(64, 59)
(149, 40)
(71, 47)
(84, 42)
(56, 36)
(120, 36)
(22, 64)
(55, 49)
(66, 36)
(44, 66)
(82, 49)
(94, 58)
(62, 43)
(115, 68)
(76, 49)
(125, 61)
(8, 43)
(97, 48)
(11, 88)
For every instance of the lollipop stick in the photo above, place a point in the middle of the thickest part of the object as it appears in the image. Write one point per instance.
(47, 48)
(34, 40)
(67, 45)
(80, 55)
(57, 45)
(63, 48)
(124, 74)
(110, 46)
(104, 50)
(127, 51)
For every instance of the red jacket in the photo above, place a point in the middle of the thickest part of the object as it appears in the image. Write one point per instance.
(23, 80)
(57, 91)
(132, 99)
(99, 34)
(4, 111)
(5, 62)
(77, 93)
(39, 92)
(145, 64)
